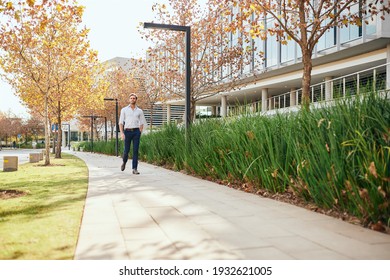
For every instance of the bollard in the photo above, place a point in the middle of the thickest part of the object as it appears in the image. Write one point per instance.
(34, 157)
(10, 163)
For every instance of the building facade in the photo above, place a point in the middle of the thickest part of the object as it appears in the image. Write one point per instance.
(345, 60)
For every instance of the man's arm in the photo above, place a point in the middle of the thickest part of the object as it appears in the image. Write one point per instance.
(121, 121)
(121, 130)
(143, 122)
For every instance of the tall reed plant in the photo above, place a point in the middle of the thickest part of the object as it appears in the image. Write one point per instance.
(336, 157)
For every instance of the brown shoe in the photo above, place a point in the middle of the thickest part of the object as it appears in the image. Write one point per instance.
(135, 171)
(123, 166)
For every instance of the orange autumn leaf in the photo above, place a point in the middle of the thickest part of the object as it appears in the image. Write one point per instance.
(372, 170)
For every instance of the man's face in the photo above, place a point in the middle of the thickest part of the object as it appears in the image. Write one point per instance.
(133, 99)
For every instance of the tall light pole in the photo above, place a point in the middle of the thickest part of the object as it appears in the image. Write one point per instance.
(105, 129)
(116, 124)
(187, 30)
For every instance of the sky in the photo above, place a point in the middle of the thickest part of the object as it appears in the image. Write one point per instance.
(113, 33)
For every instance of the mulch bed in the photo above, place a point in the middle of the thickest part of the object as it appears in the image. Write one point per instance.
(7, 194)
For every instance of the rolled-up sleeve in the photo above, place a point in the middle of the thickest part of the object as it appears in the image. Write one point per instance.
(122, 117)
(142, 120)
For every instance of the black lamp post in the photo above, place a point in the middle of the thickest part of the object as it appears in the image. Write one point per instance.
(116, 123)
(187, 30)
(105, 129)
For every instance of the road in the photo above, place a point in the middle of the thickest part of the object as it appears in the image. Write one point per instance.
(22, 154)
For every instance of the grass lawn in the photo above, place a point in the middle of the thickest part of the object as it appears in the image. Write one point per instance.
(40, 214)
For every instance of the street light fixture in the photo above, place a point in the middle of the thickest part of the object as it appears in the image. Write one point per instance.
(187, 30)
(116, 124)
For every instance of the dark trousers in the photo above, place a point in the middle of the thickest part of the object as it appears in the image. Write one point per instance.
(134, 136)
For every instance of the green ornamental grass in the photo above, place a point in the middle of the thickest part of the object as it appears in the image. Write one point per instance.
(336, 157)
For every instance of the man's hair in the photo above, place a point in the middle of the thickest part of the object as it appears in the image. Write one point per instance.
(133, 94)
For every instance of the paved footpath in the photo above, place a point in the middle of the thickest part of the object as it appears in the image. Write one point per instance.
(165, 215)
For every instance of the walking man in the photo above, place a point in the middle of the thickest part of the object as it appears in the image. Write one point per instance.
(131, 123)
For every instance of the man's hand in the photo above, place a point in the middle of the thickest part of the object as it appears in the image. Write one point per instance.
(122, 136)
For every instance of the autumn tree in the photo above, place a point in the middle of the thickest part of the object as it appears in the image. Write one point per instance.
(92, 106)
(3, 128)
(76, 88)
(48, 61)
(6, 6)
(34, 127)
(302, 21)
(117, 82)
(120, 85)
(10, 126)
(216, 61)
(146, 88)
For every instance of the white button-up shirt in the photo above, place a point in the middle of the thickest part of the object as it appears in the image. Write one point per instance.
(132, 118)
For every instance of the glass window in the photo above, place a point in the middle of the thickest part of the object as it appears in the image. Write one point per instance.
(258, 53)
(350, 32)
(327, 40)
(271, 53)
(247, 46)
(371, 26)
(371, 20)
(271, 50)
(288, 51)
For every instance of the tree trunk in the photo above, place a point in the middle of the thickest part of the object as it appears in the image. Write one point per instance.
(151, 119)
(306, 79)
(96, 132)
(59, 142)
(47, 132)
(192, 110)
(55, 137)
(59, 139)
(59, 132)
